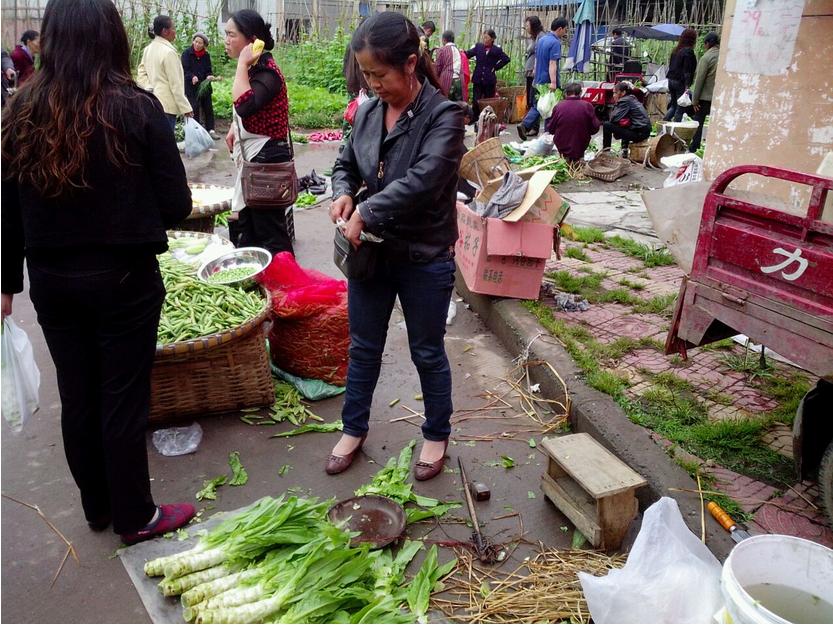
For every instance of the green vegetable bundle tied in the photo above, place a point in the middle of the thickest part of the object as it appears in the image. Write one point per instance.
(193, 308)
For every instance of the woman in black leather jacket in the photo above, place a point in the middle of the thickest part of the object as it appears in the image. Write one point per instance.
(406, 148)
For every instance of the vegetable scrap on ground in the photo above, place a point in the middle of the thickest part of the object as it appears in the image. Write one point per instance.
(194, 308)
(287, 407)
(543, 589)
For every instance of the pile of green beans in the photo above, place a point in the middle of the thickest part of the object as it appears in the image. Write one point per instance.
(194, 308)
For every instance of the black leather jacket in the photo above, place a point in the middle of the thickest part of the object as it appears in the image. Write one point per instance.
(411, 175)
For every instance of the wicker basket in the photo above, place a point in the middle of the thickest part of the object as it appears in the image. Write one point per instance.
(499, 105)
(218, 373)
(607, 167)
(202, 215)
(517, 102)
(484, 162)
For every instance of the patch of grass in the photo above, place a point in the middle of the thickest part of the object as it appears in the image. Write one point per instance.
(570, 283)
(618, 296)
(586, 235)
(719, 398)
(585, 270)
(718, 345)
(651, 256)
(788, 391)
(749, 363)
(606, 381)
(673, 381)
(577, 253)
(658, 305)
(677, 360)
(636, 286)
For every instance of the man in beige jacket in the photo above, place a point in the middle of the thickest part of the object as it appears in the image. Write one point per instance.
(160, 70)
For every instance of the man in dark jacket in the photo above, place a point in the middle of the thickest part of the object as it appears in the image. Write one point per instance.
(196, 65)
(573, 123)
(620, 50)
(629, 120)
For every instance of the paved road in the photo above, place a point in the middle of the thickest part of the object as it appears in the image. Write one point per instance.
(98, 590)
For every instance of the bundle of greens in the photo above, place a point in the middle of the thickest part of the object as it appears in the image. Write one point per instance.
(281, 561)
(549, 163)
(287, 407)
(391, 481)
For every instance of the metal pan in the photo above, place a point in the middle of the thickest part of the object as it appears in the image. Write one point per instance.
(379, 520)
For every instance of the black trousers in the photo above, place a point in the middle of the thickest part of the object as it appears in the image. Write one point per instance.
(100, 326)
(627, 135)
(203, 109)
(480, 91)
(700, 116)
(264, 227)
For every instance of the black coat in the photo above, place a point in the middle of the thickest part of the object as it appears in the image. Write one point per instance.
(195, 66)
(628, 107)
(488, 62)
(411, 175)
(682, 67)
(126, 210)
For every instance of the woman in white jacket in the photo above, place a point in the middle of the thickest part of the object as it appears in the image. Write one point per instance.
(160, 70)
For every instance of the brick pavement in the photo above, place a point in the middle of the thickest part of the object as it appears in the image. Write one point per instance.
(726, 394)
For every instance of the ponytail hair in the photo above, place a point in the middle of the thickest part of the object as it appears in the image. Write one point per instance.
(251, 25)
(392, 38)
(160, 23)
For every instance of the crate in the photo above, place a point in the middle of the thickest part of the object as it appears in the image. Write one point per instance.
(219, 373)
(517, 102)
(592, 487)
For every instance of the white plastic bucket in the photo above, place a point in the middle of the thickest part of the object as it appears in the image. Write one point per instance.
(804, 567)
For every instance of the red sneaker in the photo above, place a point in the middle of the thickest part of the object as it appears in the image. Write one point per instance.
(171, 517)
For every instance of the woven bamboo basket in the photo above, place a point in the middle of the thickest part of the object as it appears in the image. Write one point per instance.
(484, 162)
(500, 107)
(209, 201)
(222, 372)
(607, 167)
(517, 102)
(650, 151)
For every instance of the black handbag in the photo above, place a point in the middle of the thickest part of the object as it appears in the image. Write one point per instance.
(355, 263)
(268, 185)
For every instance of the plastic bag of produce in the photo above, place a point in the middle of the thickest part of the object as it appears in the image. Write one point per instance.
(309, 336)
(669, 577)
(20, 375)
(197, 139)
(546, 104)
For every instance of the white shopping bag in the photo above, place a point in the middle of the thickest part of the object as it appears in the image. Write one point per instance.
(685, 99)
(20, 375)
(197, 139)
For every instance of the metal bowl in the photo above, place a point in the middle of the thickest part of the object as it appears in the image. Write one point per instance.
(378, 520)
(241, 257)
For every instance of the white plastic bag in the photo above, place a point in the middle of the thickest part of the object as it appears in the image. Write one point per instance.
(178, 441)
(20, 376)
(669, 577)
(197, 139)
(685, 99)
(690, 170)
(546, 104)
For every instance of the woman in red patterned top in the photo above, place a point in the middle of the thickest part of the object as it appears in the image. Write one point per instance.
(259, 128)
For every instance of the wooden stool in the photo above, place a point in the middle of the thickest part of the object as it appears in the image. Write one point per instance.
(592, 487)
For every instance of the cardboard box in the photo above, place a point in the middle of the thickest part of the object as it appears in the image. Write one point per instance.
(541, 204)
(497, 257)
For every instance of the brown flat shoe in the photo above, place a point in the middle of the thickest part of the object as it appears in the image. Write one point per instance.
(427, 470)
(338, 464)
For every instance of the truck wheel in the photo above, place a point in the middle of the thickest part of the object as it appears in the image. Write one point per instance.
(826, 481)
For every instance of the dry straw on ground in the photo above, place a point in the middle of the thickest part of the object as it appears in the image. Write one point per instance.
(544, 589)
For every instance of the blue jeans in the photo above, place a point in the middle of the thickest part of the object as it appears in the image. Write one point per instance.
(424, 291)
(171, 121)
(533, 117)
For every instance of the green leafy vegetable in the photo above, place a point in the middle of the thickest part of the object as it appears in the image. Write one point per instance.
(209, 488)
(239, 476)
(335, 426)
(507, 462)
(429, 574)
(284, 469)
(532, 443)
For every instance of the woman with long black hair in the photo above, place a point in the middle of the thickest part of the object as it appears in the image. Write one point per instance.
(91, 180)
(405, 148)
(681, 69)
(259, 129)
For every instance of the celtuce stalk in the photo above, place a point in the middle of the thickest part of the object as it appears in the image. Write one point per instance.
(175, 587)
(206, 590)
(156, 567)
(195, 562)
(247, 613)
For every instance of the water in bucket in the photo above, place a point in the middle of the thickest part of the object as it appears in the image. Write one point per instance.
(791, 604)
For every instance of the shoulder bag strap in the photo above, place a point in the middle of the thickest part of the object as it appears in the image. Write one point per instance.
(240, 135)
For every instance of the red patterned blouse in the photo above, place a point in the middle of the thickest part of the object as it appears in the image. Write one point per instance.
(264, 108)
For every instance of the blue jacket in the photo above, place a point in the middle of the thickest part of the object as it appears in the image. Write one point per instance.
(488, 62)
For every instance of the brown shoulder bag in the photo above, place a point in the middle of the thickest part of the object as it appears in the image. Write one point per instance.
(268, 185)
